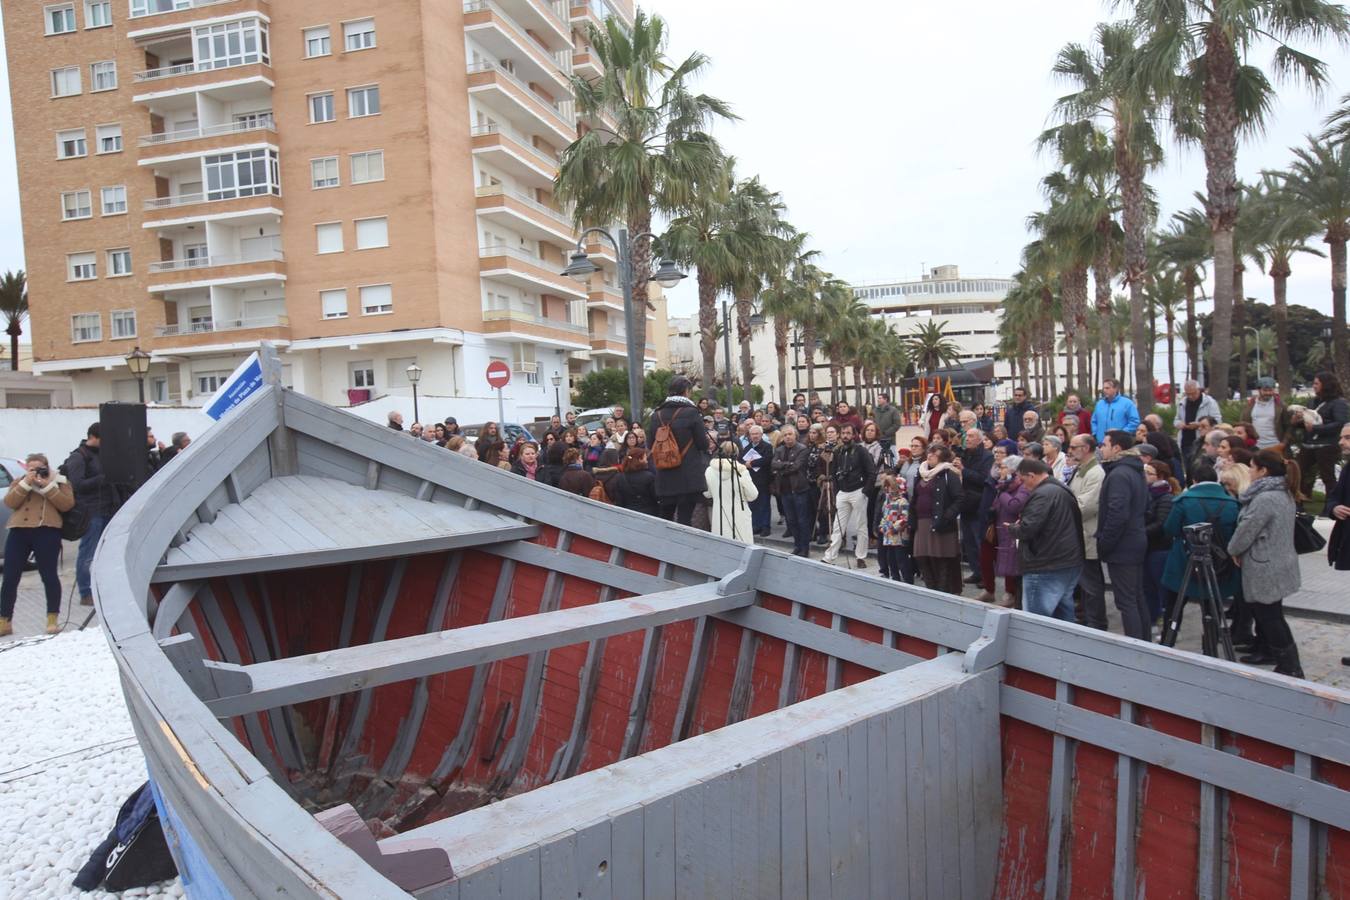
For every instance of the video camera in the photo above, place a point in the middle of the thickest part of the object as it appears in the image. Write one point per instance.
(1198, 537)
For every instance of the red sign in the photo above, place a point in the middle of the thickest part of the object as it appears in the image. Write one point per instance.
(498, 374)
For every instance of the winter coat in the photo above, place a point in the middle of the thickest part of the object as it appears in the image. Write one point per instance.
(893, 517)
(641, 491)
(1159, 508)
(1338, 548)
(1121, 510)
(1119, 414)
(1264, 542)
(975, 465)
(1334, 413)
(730, 487)
(888, 421)
(852, 468)
(576, 480)
(615, 482)
(39, 507)
(691, 434)
(1208, 407)
(1207, 501)
(761, 470)
(946, 503)
(1012, 497)
(1049, 530)
(909, 474)
(93, 494)
(518, 468)
(1084, 417)
(852, 418)
(549, 473)
(1012, 416)
(1086, 488)
(789, 467)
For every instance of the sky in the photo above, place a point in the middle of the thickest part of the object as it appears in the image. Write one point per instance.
(902, 135)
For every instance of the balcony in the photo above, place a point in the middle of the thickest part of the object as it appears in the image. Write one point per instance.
(586, 64)
(596, 11)
(512, 152)
(541, 17)
(515, 100)
(184, 274)
(195, 76)
(530, 326)
(152, 147)
(609, 345)
(162, 211)
(209, 334)
(525, 215)
(505, 38)
(605, 296)
(167, 15)
(515, 266)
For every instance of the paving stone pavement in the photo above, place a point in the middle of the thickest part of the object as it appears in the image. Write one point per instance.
(30, 612)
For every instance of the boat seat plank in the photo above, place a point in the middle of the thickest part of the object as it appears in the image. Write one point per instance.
(315, 676)
(271, 530)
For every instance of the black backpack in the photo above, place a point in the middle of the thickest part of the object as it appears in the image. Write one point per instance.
(74, 521)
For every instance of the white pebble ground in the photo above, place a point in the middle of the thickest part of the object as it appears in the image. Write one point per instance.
(68, 758)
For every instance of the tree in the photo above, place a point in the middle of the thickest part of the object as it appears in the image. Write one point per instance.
(1184, 247)
(758, 214)
(603, 387)
(930, 348)
(785, 299)
(14, 308)
(1196, 49)
(1318, 180)
(659, 155)
(1166, 296)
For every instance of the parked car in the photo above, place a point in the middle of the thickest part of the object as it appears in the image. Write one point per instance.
(509, 431)
(10, 471)
(590, 419)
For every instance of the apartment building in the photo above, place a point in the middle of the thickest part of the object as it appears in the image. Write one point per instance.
(366, 184)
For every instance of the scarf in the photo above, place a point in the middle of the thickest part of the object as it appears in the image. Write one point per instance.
(928, 474)
(1261, 486)
(530, 468)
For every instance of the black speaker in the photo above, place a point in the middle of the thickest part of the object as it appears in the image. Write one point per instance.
(122, 448)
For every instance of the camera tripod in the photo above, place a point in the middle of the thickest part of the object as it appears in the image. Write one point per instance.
(1214, 636)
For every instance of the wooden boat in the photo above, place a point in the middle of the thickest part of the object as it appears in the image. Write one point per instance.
(362, 667)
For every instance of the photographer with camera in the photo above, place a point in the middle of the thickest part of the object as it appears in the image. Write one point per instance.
(1205, 502)
(38, 500)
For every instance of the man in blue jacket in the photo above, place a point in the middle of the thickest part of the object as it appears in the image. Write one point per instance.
(1114, 412)
(1122, 542)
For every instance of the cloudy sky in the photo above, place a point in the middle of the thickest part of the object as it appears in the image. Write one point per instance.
(901, 135)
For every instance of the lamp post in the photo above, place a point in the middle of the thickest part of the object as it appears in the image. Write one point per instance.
(667, 274)
(1257, 336)
(138, 361)
(414, 375)
(757, 321)
(557, 396)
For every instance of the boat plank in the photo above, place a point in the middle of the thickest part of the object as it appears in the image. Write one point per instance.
(744, 839)
(789, 689)
(718, 834)
(693, 679)
(259, 651)
(290, 492)
(835, 644)
(1127, 804)
(1061, 783)
(932, 798)
(769, 826)
(520, 874)
(269, 503)
(1303, 870)
(891, 838)
(818, 850)
(589, 680)
(627, 852)
(966, 716)
(658, 849)
(171, 608)
(915, 802)
(583, 567)
(689, 884)
(793, 815)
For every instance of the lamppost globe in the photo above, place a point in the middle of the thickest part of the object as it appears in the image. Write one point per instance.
(138, 361)
(580, 268)
(757, 320)
(414, 373)
(668, 274)
(557, 380)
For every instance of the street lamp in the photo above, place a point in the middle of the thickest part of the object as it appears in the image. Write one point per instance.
(414, 375)
(667, 274)
(557, 397)
(138, 361)
(1257, 335)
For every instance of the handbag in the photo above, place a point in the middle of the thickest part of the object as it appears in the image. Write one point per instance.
(1307, 539)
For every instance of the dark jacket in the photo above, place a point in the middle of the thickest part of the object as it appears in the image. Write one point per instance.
(640, 491)
(687, 425)
(853, 469)
(615, 482)
(761, 470)
(1338, 548)
(1122, 508)
(1205, 502)
(946, 503)
(576, 480)
(975, 465)
(1159, 508)
(1050, 530)
(93, 495)
(1012, 416)
(1335, 413)
(789, 467)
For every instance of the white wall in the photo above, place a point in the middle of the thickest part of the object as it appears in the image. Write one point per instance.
(56, 432)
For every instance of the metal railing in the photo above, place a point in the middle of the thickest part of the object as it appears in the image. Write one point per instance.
(560, 59)
(224, 325)
(169, 6)
(261, 123)
(515, 253)
(204, 262)
(189, 199)
(533, 318)
(193, 67)
(558, 216)
(548, 159)
(551, 106)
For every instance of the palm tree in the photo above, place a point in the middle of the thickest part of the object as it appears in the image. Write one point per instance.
(786, 299)
(757, 212)
(14, 308)
(659, 155)
(1318, 180)
(930, 348)
(1167, 293)
(1280, 229)
(1184, 247)
(810, 315)
(840, 315)
(1110, 88)
(1198, 48)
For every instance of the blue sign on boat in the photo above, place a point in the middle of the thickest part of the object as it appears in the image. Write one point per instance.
(241, 384)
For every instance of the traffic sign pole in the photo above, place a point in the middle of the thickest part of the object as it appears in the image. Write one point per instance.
(499, 376)
(501, 409)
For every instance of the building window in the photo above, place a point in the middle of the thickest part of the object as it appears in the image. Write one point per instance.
(97, 13)
(323, 172)
(317, 42)
(368, 167)
(333, 303)
(372, 233)
(109, 138)
(71, 144)
(66, 82)
(210, 382)
(86, 327)
(363, 101)
(103, 76)
(119, 264)
(76, 205)
(359, 35)
(114, 200)
(321, 108)
(81, 266)
(230, 44)
(247, 173)
(123, 323)
(363, 374)
(376, 298)
(329, 237)
(59, 19)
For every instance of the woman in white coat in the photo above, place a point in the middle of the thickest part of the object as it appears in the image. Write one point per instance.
(731, 490)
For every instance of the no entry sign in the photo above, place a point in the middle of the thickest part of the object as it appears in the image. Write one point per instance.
(498, 374)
